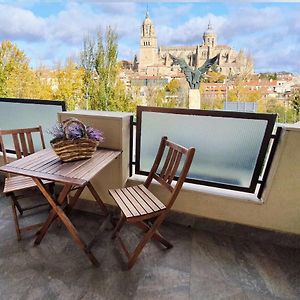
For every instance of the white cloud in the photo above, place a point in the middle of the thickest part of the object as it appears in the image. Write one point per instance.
(17, 23)
(189, 32)
(269, 33)
(119, 8)
(65, 29)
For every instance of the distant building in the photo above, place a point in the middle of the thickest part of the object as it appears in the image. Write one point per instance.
(156, 61)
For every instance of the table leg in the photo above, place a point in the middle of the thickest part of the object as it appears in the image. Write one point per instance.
(74, 199)
(97, 198)
(60, 213)
(53, 214)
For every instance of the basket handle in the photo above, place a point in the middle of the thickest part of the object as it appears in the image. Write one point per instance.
(70, 121)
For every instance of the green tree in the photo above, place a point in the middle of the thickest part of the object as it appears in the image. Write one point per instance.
(106, 67)
(295, 104)
(87, 57)
(285, 114)
(102, 86)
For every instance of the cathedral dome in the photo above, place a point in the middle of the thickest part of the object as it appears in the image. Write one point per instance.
(209, 30)
(209, 36)
(147, 20)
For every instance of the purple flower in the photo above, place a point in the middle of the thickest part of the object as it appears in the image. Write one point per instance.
(94, 134)
(75, 132)
(57, 131)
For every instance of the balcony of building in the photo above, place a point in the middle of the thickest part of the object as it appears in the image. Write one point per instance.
(228, 243)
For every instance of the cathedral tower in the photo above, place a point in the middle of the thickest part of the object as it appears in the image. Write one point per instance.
(148, 45)
(209, 37)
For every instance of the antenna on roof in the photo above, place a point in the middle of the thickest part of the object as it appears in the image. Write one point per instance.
(147, 10)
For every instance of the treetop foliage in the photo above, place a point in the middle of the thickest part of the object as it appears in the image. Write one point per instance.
(92, 84)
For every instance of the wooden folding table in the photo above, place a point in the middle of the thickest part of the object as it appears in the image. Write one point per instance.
(77, 175)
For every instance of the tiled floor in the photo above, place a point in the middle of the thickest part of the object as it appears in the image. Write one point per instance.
(202, 265)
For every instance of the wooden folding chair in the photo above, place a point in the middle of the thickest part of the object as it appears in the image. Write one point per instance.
(14, 186)
(138, 204)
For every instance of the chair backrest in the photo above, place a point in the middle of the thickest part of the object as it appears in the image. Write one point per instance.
(22, 141)
(176, 155)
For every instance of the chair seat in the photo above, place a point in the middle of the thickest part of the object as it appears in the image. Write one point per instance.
(17, 183)
(137, 201)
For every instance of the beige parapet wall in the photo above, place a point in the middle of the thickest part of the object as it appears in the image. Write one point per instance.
(116, 130)
(280, 206)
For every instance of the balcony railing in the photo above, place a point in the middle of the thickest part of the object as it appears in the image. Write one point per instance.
(21, 113)
(231, 147)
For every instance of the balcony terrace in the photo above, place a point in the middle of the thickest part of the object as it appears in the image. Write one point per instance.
(204, 264)
(227, 244)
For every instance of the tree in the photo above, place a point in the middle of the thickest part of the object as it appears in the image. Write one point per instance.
(44, 82)
(106, 67)
(295, 104)
(173, 86)
(214, 77)
(87, 57)
(69, 81)
(17, 79)
(284, 113)
(15, 73)
(101, 82)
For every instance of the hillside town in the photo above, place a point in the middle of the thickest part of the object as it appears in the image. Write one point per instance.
(98, 79)
(233, 79)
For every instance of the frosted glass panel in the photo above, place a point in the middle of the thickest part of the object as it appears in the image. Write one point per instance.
(21, 115)
(226, 148)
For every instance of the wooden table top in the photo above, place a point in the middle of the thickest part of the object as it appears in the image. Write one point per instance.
(45, 164)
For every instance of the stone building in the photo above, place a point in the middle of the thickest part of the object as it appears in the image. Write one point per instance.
(156, 61)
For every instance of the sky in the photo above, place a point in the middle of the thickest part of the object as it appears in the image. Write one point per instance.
(50, 31)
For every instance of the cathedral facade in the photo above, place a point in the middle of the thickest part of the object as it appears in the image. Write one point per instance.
(156, 61)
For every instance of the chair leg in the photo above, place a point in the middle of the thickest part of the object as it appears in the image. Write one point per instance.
(119, 225)
(17, 204)
(144, 241)
(156, 236)
(18, 231)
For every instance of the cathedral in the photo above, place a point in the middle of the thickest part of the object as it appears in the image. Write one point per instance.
(156, 61)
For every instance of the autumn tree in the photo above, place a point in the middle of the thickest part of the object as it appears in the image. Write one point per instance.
(17, 79)
(173, 86)
(285, 114)
(68, 84)
(214, 77)
(15, 74)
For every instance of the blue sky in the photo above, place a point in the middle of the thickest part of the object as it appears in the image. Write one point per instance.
(49, 31)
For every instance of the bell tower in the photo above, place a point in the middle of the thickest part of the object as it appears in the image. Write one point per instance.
(148, 45)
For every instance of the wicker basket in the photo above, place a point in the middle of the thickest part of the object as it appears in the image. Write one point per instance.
(71, 150)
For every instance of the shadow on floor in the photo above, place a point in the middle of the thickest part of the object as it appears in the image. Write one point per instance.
(202, 265)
